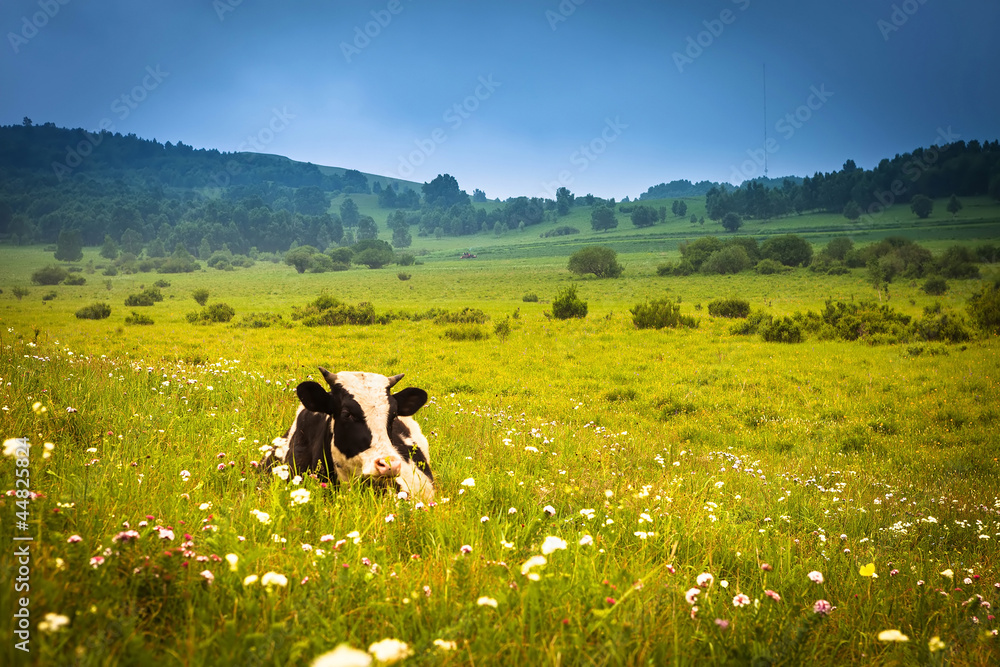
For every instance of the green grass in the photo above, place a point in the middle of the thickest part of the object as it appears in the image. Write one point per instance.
(740, 453)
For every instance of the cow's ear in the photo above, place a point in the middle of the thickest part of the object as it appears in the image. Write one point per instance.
(409, 401)
(315, 398)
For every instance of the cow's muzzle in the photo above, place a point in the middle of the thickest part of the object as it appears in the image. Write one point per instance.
(387, 466)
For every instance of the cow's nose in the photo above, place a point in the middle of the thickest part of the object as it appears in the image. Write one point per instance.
(387, 466)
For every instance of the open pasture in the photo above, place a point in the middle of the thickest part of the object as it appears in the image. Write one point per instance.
(634, 462)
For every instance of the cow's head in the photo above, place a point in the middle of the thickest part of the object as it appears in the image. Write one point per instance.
(363, 410)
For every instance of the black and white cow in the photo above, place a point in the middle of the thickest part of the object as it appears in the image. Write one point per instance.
(358, 430)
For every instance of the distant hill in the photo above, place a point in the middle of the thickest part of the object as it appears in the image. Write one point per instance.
(677, 189)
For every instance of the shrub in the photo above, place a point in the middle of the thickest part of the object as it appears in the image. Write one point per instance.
(684, 268)
(260, 321)
(752, 324)
(373, 253)
(403, 276)
(697, 251)
(301, 257)
(935, 286)
(110, 271)
(959, 263)
(503, 328)
(48, 296)
(660, 313)
(748, 243)
(465, 316)
(789, 249)
(342, 255)
(984, 308)
(95, 311)
(665, 269)
(531, 297)
(567, 304)
(180, 261)
(161, 283)
(939, 326)
(767, 267)
(731, 259)
(598, 260)
(851, 321)
(784, 330)
(320, 263)
(406, 259)
(466, 332)
(138, 319)
(20, 292)
(74, 280)
(729, 308)
(217, 312)
(564, 230)
(200, 296)
(50, 275)
(141, 299)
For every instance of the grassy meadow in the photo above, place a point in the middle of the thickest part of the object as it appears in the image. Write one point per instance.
(635, 463)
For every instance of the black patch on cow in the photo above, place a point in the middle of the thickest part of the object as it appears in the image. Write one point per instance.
(309, 448)
(401, 441)
(409, 401)
(351, 434)
(316, 399)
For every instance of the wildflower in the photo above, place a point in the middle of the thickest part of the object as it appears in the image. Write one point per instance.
(705, 580)
(935, 644)
(343, 656)
(724, 583)
(389, 651)
(771, 594)
(486, 602)
(867, 570)
(741, 600)
(893, 572)
(484, 519)
(512, 510)
(445, 645)
(967, 581)
(125, 536)
(281, 471)
(184, 475)
(506, 545)
(892, 636)
(586, 540)
(164, 533)
(232, 560)
(552, 543)
(610, 600)
(207, 574)
(96, 561)
(529, 448)
(263, 517)
(550, 510)
(692, 595)
(53, 622)
(608, 493)
(468, 481)
(250, 579)
(948, 573)
(274, 579)
(765, 567)
(326, 538)
(816, 577)
(534, 561)
(38, 408)
(48, 447)
(354, 535)
(822, 607)
(72, 539)
(300, 496)
(465, 549)
(205, 506)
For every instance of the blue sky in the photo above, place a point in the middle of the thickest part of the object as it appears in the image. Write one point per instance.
(511, 96)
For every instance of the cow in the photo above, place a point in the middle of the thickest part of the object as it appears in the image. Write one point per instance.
(358, 430)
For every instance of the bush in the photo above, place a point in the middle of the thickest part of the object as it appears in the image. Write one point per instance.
(466, 332)
(320, 263)
(984, 308)
(403, 276)
(465, 316)
(373, 253)
(161, 283)
(531, 297)
(141, 299)
(20, 292)
(260, 321)
(940, 326)
(731, 259)
(50, 275)
(789, 249)
(217, 312)
(111, 270)
(767, 267)
(935, 286)
(851, 321)
(752, 324)
(660, 313)
(567, 304)
(74, 280)
(598, 260)
(729, 308)
(301, 257)
(341, 255)
(138, 319)
(406, 259)
(200, 296)
(665, 269)
(784, 330)
(48, 296)
(564, 230)
(503, 328)
(95, 311)
(697, 251)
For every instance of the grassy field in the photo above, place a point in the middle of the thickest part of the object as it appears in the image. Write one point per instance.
(655, 458)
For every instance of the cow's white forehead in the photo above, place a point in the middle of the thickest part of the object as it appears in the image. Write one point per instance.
(366, 388)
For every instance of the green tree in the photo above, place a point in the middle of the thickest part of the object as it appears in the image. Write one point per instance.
(679, 208)
(602, 218)
(598, 260)
(443, 192)
(789, 249)
(373, 253)
(311, 200)
(954, 206)
(156, 248)
(110, 248)
(200, 295)
(131, 242)
(367, 229)
(69, 248)
(300, 257)
(567, 304)
(644, 216)
(731, 221)
(564, 201)
(349, 213)
(922, 206)
(852, 211)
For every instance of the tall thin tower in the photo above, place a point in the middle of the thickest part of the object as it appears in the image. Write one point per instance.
(764, 81)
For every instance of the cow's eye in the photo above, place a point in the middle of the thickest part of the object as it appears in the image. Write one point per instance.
(349, 416)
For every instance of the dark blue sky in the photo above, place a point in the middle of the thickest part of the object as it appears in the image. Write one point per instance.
(602, 97)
